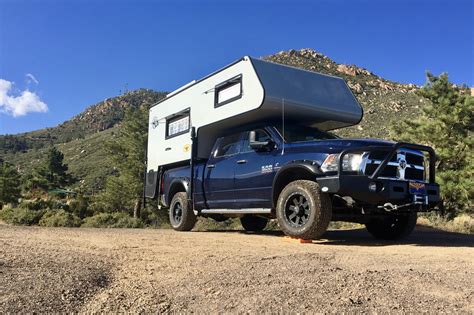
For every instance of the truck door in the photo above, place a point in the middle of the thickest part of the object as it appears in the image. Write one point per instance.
(219, 173)
(254, 173)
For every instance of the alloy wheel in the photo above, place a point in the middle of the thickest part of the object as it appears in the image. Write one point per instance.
(297, 210)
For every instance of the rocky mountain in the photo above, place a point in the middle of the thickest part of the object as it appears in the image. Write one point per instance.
(384, 101)
(96, 118)
(81, 138)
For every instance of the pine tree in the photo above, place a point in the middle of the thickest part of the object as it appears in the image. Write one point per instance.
(447, 125)
(123, 192)
(56, 173)
(10, 189)
(36, 179)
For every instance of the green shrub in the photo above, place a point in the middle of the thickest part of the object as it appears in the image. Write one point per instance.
(112, 220)
(206, 224)
(56, 218)
(38, 204)
(59, 204)
(80, 207)
(6, 214)
(21, 216)
(41, 204)
(154, 217)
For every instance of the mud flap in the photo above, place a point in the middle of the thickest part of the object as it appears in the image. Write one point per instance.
(151, 181)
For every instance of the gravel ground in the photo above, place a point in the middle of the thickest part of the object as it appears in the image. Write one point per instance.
(121, 270)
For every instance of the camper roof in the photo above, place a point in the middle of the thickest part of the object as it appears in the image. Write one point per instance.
(299, 90)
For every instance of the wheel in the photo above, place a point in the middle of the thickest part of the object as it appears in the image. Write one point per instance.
(182, 217)
(253, 223)
(393, 227)
(303, 211)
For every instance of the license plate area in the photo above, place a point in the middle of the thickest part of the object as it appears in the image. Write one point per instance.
(416, 188)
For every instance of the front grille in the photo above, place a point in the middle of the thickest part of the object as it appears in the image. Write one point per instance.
(404, 165)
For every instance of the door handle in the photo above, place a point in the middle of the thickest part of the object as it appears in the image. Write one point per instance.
(211, 166)
(241, 161)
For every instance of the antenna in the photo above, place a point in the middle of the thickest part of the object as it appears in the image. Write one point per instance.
(283, 124)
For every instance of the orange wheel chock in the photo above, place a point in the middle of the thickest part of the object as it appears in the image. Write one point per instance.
(297, 240)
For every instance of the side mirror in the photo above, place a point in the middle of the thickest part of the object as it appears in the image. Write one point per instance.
(259, 145)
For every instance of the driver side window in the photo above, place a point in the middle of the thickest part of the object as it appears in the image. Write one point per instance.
(228, 145)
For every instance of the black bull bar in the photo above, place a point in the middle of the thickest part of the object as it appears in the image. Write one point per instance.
(391, 191)
(392, 151)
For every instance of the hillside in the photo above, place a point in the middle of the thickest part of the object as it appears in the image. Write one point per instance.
(86, 157)
(96, 118)
(81, 138)
(383, 101)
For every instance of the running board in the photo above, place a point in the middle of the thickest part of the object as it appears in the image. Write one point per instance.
(237, 211)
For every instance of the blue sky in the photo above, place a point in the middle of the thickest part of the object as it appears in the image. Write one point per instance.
(58, 57)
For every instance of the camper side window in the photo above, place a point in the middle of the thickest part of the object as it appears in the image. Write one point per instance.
(228, 91)
(177, 125)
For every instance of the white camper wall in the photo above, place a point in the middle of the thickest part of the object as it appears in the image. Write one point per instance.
(199, 98)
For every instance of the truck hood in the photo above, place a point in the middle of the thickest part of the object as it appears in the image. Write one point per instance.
(334, 145)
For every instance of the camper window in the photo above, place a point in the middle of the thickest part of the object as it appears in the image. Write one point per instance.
(177, 125)
(228, 91)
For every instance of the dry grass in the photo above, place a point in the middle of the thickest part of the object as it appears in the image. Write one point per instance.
(463, 223)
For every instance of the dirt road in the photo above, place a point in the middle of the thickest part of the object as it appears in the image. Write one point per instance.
(89, 270)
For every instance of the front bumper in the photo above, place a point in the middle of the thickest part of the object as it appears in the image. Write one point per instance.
(389, 193)
(387, 190)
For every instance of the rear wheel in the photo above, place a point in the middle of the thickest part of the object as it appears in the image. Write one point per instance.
(181, 215)
(253, 223)
(303, 211)
(392, 227)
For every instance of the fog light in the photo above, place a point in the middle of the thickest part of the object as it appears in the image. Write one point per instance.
(373, 187)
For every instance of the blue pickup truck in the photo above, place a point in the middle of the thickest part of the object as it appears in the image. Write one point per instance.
(303, 177)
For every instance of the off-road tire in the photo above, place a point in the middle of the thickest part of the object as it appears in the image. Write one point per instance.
(392, 227)
(252, 223)
(187, 219)
(316, 213)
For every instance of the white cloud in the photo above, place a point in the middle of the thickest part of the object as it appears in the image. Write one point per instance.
(31, 78)
(23, 103)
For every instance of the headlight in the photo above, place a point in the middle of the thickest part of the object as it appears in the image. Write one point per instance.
(351, 162)
(330, 163)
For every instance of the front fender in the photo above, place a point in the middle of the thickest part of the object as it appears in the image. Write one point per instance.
(292, 171)
(304, 165)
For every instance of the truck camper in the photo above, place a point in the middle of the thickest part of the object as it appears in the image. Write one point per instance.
(252, 140)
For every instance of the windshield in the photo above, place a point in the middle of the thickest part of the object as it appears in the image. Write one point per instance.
(298, 133)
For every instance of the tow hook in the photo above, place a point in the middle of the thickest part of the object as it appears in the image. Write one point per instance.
(417, 200)
(388, 207)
